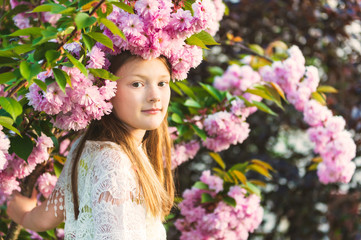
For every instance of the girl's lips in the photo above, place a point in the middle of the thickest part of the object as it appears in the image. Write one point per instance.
(152, 111)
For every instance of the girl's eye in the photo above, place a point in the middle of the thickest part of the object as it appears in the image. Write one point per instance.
(136, 84)
(162, 84)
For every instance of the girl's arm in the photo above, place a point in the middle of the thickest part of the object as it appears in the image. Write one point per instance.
(24, 211)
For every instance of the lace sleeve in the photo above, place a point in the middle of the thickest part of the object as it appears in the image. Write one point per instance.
(118, 212)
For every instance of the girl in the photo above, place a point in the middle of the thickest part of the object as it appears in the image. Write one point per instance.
(117, 181)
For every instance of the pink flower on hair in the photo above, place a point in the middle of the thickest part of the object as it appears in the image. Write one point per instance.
(96, 58)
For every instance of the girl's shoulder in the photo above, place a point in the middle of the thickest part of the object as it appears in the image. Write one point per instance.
(101, 152)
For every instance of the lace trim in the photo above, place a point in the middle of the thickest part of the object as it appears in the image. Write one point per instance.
(57, 197)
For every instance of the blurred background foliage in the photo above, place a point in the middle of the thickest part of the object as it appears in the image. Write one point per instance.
(297, 205)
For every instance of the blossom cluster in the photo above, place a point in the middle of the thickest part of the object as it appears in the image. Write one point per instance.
(46, 183)
(183, 152)
(334, 144)
(4, 147)
(158, 28)
(220, 8)
(332, 141)
(87, 98)
(218, 220)
(288, 75)
(17, 169)
(236, 80)
(223, 129)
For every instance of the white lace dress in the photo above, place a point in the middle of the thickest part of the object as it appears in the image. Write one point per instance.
(108, 203)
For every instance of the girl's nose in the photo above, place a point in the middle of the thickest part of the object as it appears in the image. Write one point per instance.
(154, 94)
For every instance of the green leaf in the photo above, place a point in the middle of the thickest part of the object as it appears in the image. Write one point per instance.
(51, 233)
(101, 38)
(16, 50)
(207, 198)
(88, 41)
(29, 71)
(263, 107)
(327, 89)
(84, 2)
(77, 64)
(8, 123)
(123, 6)
(188, 6)
(240, 167)
(27, 31)
(319, 97)
(51, 56)
(176, 118)
(182, 129)
(219, 172)
(275, 95)
(43, 8)
(212, 91)
(259, 92)
(218, 159)
(226, 10)
(83, 20)
(61, 78)
(112, 27)
(49, 32)
(240, 176)
(41, 84)
(53, 8)
(57, 168)
(22, 146)
(5, 61)
(25, 70)
(201, 185)
(5, 77)
(192, 103)
(187, 90)
(216, 71)
(175, 88)
(102, 73)
(59, 9)
(12, 106)
(39, 53)
(230, 201)
(253, 189)
(201, 133)
(260, 169)
(206, 38)
(257, 48)
(194, 40)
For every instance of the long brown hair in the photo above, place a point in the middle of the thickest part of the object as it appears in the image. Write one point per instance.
(156, 182)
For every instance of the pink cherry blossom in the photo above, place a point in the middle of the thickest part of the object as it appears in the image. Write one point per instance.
(315, 114)
(46, 184)
(223, 221)
(97, 58)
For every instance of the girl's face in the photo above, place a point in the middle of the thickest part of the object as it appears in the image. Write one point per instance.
(143, 93)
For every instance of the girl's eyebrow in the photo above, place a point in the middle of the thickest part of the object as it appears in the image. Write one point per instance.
(146, 77)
